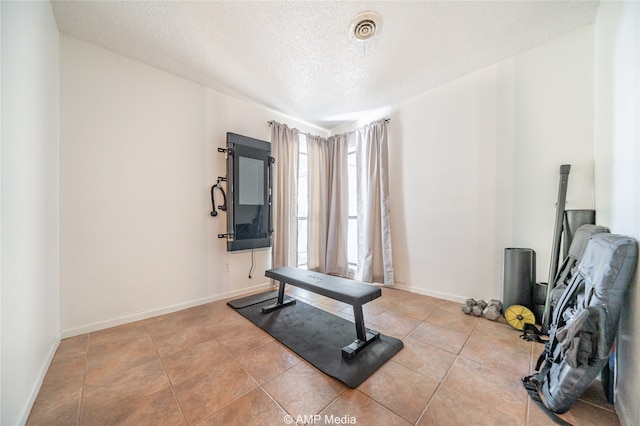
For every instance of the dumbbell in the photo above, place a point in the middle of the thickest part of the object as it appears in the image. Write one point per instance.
(479, 307)
(468, 306)
(493, 310)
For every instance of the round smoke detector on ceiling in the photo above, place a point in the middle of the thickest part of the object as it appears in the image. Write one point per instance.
(365, 25)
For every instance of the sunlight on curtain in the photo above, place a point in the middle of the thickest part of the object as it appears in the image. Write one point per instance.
(374, 224)
(328, 212)
(352, 238)
(303, 202)
(284, 144)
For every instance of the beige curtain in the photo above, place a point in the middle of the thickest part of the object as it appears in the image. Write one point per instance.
(285, 148)
(328, 204)
(374, 225)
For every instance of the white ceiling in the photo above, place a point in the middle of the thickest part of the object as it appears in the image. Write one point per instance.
(298, 58)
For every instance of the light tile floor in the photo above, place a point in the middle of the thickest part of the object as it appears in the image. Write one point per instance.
(208, 365)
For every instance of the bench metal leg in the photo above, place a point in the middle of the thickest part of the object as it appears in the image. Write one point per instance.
(281, 303)
(364, 336)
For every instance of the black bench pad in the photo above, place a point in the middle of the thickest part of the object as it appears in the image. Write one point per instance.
(354, 293)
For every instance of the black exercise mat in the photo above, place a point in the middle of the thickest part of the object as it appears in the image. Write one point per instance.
(252, 299)
(319, 336)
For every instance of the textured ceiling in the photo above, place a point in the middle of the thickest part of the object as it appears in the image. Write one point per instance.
(298, 58)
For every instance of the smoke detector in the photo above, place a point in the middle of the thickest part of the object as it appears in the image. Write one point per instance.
(365, 25)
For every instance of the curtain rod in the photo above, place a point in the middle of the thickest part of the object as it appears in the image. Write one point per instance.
(386, 120)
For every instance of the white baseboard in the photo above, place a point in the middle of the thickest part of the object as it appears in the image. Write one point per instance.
(39, 380)
(101, 325)
(437, 294)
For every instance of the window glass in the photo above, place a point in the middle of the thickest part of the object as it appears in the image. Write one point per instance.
(352, 230)
(303, 203)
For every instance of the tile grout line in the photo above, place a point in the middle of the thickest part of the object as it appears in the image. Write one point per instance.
(272, 398)
(391, 409)
(164, 370)
(224, 348)
(444, 377)
(424, 321)
(527, 413)
(84, 379)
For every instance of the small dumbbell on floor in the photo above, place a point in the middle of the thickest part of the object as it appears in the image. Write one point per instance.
(468, 306)
(480, 305)
(493, 310)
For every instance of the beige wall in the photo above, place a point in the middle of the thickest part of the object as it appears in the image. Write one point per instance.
(617, 170)
(138, 155)
(30, 316)
(474, 167)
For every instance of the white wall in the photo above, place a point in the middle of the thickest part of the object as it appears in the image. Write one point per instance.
(474, 167)
(138, 155)
(617, 170)
(29, 214)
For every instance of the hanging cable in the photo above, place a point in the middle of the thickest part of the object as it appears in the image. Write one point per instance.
(252, 263)
(214, 213)
(223, 206)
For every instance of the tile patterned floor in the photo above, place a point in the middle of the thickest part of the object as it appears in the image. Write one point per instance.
(210, 366)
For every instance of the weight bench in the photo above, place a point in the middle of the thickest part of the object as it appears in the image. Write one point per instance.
(354, 293)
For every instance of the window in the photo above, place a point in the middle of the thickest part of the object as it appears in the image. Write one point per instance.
(352, 246)
(303, 204)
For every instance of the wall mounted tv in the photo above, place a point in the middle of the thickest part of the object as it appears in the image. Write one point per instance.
(249, 182)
